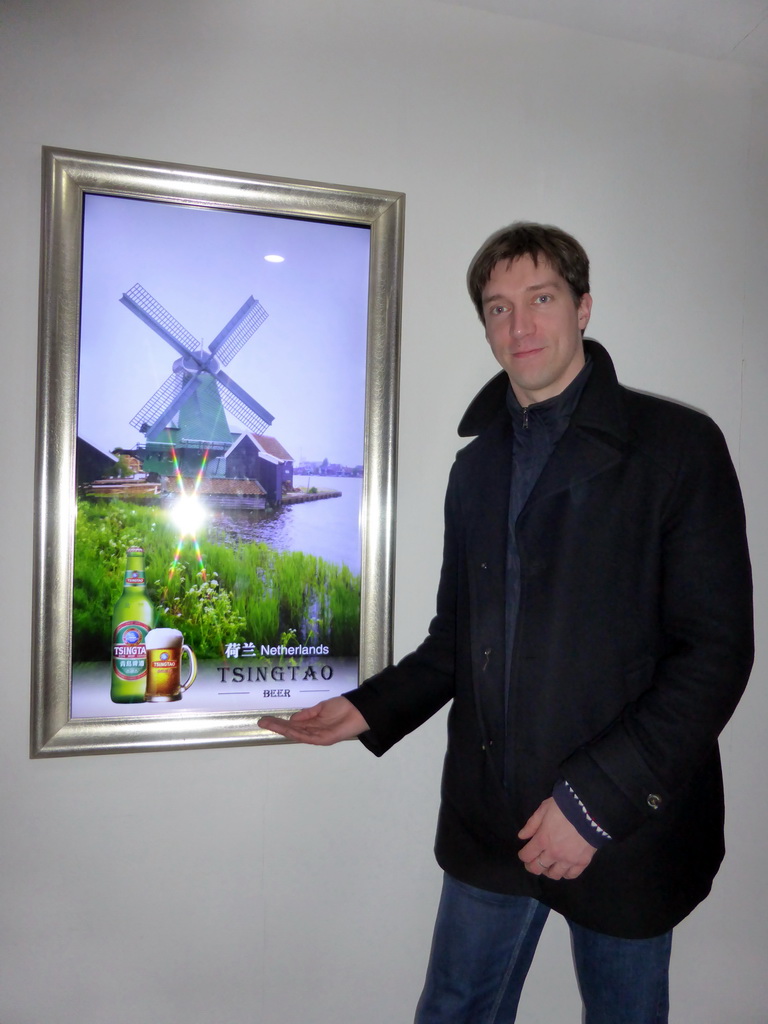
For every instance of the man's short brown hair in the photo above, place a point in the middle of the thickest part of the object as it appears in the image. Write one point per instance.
(539, 241)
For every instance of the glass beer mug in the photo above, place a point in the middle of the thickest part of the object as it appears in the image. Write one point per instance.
(165, 650)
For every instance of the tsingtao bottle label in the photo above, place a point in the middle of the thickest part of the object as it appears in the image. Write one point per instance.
(135, 578)
(129, 652)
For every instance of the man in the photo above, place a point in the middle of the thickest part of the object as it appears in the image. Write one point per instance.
(594, 633)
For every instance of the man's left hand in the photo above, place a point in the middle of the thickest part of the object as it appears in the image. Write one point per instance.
(554, 848)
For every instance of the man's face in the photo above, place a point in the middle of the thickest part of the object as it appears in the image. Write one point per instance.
(534, 327)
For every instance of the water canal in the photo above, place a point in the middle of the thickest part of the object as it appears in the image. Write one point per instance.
(328, 529)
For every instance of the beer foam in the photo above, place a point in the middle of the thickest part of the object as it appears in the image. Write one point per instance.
(159, 639)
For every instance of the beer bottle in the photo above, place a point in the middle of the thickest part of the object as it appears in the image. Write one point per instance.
(132, 618)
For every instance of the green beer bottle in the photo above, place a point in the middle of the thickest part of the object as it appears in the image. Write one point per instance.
(132, 619)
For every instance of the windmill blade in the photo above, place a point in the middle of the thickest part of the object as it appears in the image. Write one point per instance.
(186, 393)
(148, 309)
(244, 408)
(246, 321)
(158, 412)
(162, 398)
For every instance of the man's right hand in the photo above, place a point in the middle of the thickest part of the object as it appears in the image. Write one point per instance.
(326, 723)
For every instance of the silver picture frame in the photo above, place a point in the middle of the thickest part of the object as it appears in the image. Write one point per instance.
(69, 177)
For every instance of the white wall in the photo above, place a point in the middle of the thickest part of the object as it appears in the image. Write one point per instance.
(296, 886)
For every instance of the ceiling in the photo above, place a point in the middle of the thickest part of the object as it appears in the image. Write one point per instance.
(728, 30)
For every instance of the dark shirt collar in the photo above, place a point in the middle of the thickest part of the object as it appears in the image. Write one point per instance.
(552, 411)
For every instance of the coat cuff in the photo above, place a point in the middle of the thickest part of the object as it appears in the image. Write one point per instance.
(385, 726)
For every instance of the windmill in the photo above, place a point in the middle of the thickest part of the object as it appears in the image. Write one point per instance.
(198, 389)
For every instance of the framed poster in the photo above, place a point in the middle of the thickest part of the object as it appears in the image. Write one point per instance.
(218, 364)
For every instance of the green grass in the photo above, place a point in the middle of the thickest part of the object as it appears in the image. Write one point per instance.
(251, 592)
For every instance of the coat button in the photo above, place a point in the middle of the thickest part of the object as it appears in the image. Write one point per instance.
(654, 801)
(483, 565)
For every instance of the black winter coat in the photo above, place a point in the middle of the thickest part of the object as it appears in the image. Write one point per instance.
(633, 645)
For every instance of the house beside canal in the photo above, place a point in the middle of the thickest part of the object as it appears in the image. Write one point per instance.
(260, 458)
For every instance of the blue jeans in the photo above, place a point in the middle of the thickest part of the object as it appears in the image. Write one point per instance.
(484, 944)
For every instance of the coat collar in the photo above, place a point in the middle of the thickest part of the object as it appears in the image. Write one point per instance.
(600, 408)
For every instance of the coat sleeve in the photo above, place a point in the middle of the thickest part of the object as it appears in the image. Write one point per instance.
(644, 760)
(402, 697)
